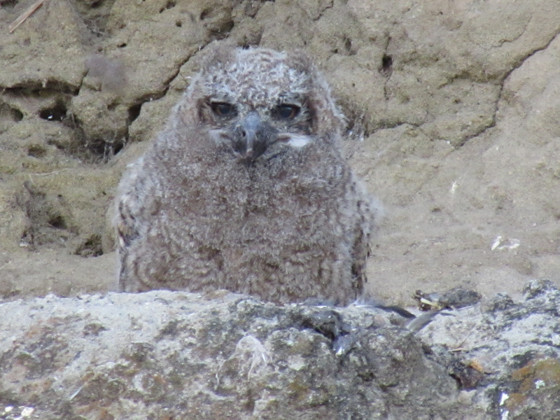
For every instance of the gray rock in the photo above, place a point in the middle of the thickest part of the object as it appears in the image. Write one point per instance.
(182, 355)
(506, 352)
(178, 355)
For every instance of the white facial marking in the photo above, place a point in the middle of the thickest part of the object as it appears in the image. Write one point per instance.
(298, 141)
(220, 136)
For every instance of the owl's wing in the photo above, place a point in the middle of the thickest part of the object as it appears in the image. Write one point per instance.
(361, 252)
(130, 204)
(368, 209)
(125, 223)
(127, 230)
(130, 212)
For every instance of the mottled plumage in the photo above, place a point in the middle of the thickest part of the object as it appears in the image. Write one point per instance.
(246, 188)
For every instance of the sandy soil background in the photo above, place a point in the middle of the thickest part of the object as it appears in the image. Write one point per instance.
(453, 123)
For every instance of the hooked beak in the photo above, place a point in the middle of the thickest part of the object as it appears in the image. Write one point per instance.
(252, 136)
(249, 129)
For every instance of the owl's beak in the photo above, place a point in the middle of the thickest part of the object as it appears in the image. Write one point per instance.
(249, 129)
(252, 137)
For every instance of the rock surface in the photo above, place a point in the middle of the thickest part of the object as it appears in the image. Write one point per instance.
(165, 355)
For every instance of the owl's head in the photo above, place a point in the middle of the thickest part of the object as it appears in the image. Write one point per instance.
(259, 102)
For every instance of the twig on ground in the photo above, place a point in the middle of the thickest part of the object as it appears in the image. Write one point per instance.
(23, 17)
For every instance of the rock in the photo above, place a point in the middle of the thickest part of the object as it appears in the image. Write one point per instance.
(169, 354)
(514, 347)
(187, 356)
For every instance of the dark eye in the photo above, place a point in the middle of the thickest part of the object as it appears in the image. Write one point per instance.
(286, 111)
(222, 109)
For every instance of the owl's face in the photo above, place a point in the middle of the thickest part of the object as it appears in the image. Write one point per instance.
(259, 103)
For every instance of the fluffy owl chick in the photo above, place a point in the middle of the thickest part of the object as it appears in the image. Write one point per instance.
(246, 188)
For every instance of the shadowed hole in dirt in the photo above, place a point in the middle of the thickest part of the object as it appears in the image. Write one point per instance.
(217, 22)
(42, 89)
(36, 151)
(55, 113)
(103, 150)
(134, 112)
(77, 145)
(8, 3)
(117, 148)
(48, 103)
(48, 217)
(91, 247)
(205, 13)
(169, 5)
(221, 31)
(386, 65)
(348, 46)
(95, 14)
(57, 221)
(7, 113)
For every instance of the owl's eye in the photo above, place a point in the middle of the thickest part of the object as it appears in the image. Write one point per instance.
(286, 111)
(223, 109)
